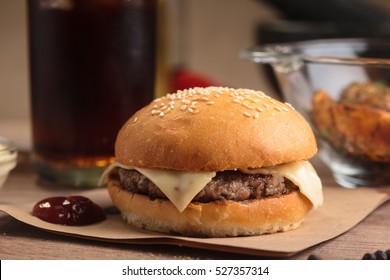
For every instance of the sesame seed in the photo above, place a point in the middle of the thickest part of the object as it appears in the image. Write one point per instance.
(190, 110)
(210, 102)
(162, 114)
(247, 105)
(236, 100)
(278, 108)
(256, 100)
(285, 109)
(256, 115)
(246, 114)
(163, 108)
(135, 120)
(289, 105)
(258, 108)
(266, 105)
(183, 107)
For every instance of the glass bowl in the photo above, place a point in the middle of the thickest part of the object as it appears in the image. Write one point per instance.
(8, 155)
(342, 87)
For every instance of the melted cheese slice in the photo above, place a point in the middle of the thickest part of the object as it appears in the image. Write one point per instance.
(181, 187)
(301, 173)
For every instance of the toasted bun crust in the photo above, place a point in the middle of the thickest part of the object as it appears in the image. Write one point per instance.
(213, 129)
(215, 219)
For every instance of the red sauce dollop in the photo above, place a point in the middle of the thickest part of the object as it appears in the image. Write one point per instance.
(70, 210)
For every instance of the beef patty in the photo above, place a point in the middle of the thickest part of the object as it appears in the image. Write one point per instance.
(226, 185)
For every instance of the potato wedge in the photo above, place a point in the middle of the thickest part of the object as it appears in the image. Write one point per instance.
(359, 129)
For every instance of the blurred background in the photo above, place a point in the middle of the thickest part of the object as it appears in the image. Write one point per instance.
(199, 43)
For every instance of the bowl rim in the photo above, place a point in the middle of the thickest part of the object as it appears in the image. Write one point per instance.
(282, 52)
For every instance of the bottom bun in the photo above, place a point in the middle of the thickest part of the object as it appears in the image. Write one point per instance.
(213, 219)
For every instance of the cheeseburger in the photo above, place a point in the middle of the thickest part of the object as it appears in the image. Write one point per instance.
(215, 162)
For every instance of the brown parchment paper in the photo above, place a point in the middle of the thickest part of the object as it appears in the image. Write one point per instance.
(342, 210)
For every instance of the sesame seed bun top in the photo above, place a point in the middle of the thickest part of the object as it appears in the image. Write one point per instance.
(214, 129)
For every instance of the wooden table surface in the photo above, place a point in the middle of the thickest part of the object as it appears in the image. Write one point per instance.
(21, 241)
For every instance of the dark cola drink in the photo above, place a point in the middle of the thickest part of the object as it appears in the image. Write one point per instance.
(92, 65)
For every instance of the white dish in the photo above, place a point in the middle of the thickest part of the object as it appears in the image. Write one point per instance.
(8, 155)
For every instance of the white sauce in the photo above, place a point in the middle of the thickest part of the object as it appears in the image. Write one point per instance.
(7, 162)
